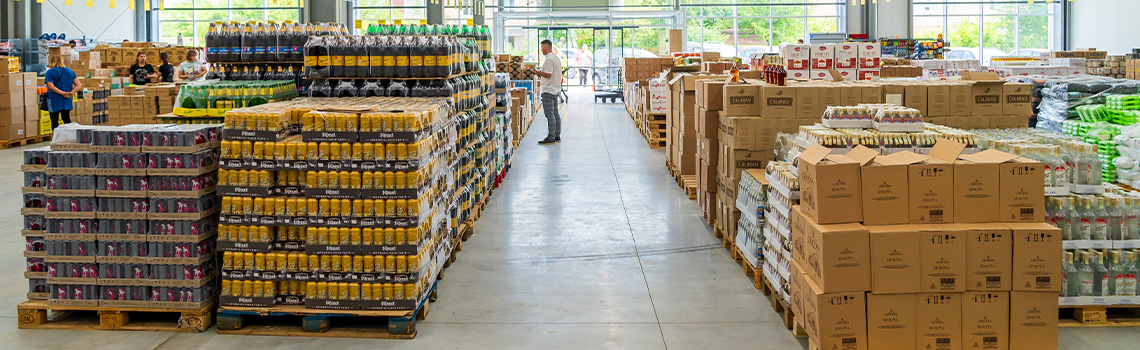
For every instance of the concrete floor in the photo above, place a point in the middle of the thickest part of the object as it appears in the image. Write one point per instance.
(588, 244)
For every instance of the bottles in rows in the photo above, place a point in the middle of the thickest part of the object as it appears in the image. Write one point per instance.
(262, 42)
(1100, 273)
(394, 88)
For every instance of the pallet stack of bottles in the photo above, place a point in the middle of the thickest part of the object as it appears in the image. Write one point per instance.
(129, 216)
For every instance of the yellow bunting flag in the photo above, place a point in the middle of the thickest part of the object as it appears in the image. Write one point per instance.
(90, 3)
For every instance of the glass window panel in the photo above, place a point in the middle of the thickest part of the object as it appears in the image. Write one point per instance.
(753, 35)
(964, 9)
(188, 4)
(247, 3)
(170, 31)
(754, 11)
(213, 15)
(788, 30)
(963, 33)
(200, 37)
(211, 4)
(177, 15)
(1000, 9)
(929, 9)
(788, 11)
(282, 15)
(1027, 9)
(823, 25)
(929, 27)
(823, 10)
(248, 15)
(1030, 34)
(368, 3)
(997, 32)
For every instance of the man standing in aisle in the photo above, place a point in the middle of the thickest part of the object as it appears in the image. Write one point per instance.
(551, 82)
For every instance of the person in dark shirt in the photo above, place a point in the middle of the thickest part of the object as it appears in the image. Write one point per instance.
(166, 70)
(142, 72)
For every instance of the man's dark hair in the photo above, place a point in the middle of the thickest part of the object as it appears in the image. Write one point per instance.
(547, 42)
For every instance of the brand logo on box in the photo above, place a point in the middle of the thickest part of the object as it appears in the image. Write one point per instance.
(1017, 99)
(987, 99)
(741, 100)
(779, 101)
(846, 47)
(796, 49)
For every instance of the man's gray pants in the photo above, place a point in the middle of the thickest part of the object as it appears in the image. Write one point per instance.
(553, 122)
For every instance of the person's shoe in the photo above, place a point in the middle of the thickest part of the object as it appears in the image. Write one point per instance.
(558, 140)
(547, 141)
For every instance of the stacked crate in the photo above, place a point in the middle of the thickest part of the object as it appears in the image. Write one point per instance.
(709, 98)
(19, 106)
(35, 182)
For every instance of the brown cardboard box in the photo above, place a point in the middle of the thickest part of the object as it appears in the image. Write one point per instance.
(886, 188)
(12, 98)
(871, 94)
(732, 160)
(937, 100)
(31, 99)
(1036, 264)
(710, 94)
(915, 97)
(985, 320)
(777, 101)
(1022, 196)
(1018, 99)
(708, 123)
(894, 94)
(942, 260)
(852, 96)
(796, 287)
(831, 95)
(891, 321)
(748, 133)
(836, 256)
(687, 164)
(976, 186)
(11, 81)
(830, 184)
(834, 320)
(895, 264)
(939, 321)
(30, 81)
(986, 92)
(1033, 320)
(11, 115)
(13, 131)
(807, 102)
(741, 99)
(989, 255)
(707, 177)
(932, 185)
(31, 115)
(960, 99)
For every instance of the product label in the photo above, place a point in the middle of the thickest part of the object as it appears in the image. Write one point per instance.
(1089, 174)
(1101, 229)
(1048, 175)
(402, 61)
(1104, 286)
(376, 61)
(1060, 175)
(350, 61)
(416, 61)
(1086, 287)
(389, 61)
(337, 60)
(429, 61)
(1086, 229)
(362, 61)
(1064, 285)
(442, 61)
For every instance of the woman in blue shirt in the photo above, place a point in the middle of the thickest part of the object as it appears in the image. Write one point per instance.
(62, 84)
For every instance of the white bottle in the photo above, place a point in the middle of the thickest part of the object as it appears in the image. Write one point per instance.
(179, 39)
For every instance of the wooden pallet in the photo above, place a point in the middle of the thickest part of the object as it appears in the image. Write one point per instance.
(781, 307)
(689, 183)
(297, 321)
(655, 117)
(34, 314)
(1099, 316)
(6, 144)
(754, 274)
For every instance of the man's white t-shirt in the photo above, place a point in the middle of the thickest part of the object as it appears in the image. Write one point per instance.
(553, 84)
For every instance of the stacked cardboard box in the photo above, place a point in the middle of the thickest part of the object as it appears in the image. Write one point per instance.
(710, 102)
(854, 61)
(939, 251)
(639, 69)
(682, 134)
(19, 105)
(159, 100)
(514, 66)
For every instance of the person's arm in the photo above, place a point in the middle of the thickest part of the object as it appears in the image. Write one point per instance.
(51, 87)
(76, 86)
(541, 73)
(183, 75)
(153, 74)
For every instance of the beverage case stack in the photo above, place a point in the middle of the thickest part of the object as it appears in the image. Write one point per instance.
(903, 250)
(352, 213)
(126, 217)
(19, 106)
(853, 61)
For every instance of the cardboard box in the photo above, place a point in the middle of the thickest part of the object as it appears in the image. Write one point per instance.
(870, 55)
(894, 94)
(961, 102)
(1033, 320)
(11, 81)
(989, 255)
(976, 186)
(836, 256)
(891, 321)
(732, 161)
(12, 131)
(931, 185)
(886, 188)
(871, 94)
(1036, 263)
(11, 115)
(942, 259)
(915, 97)
(797, 57)
(847, 56)
(778, 101)
(748, 133)
(710, 94)
(31, 99)
(741, 99)
(30, 81)
(1022, 195)
(1018, 99)
(834, 320)
(822, 56)
(986, 91)
(807, 103)
(708, 123)
(12, 98)
(895, 264)
(830, 184)
(31, 113)
(938, 321)
(985, 320)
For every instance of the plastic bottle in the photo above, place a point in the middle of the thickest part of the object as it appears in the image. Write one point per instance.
(403, 56)
(1131, 228)
(375, 56)
(1115, 217)
(246, 42)
(320, 88)
(1085, 219)
(212, 43)
(1069, 284)
(316, 57)
(1102, 284)
(345, 89)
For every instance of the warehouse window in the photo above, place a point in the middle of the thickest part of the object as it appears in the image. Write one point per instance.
(192, 18)
(743, 27)
(986, 29)
(374, 11)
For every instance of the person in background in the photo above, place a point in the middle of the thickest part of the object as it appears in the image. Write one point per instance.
(62, 84)
(584, 60)
(801, 41)
(551, 82)
(192, 69)
(166, 70)
(142, 72)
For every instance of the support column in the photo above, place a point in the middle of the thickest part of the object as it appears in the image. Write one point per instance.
(480, 11)
(435, 11)
(334, 11)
